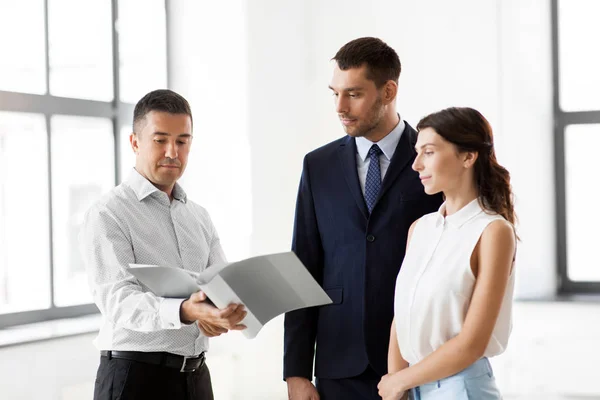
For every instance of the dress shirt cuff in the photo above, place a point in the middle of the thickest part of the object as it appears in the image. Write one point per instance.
(169, 313)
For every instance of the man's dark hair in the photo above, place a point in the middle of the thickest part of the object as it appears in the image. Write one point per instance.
(163, 100)
(381, 60)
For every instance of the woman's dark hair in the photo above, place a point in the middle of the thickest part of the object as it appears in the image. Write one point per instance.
(469, 131)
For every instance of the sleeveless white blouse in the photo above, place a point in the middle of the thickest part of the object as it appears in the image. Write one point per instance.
(435, 284)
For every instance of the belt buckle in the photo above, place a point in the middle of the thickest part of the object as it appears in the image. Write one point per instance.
(185, 358)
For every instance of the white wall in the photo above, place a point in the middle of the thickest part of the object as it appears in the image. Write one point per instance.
(209, 66)
(490, 55)
(256, 74)
(526, 143)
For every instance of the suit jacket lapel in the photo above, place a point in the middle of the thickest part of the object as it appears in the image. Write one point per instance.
(405, 152)
(347, 154)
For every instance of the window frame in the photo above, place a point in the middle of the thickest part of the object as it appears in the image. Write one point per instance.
(118, 112)
(562, 119)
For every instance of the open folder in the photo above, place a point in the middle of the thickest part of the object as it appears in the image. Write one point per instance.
(267, 286)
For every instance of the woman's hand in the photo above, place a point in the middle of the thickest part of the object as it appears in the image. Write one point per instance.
(390, 388)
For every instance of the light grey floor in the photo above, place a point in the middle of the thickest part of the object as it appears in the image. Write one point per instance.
(554, 354)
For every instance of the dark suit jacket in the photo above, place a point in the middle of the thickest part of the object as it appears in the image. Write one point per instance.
(354, 256)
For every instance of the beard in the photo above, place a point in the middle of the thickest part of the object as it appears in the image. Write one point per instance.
(370, 122)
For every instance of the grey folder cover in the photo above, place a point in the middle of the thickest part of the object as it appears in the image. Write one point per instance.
(267, 285)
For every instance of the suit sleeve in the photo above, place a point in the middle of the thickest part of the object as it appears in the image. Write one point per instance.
(300, 327)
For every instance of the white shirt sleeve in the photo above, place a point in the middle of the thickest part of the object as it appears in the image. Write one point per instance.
(216, 255)
(107, 251)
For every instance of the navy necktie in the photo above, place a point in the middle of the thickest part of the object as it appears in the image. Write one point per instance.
(373, 181)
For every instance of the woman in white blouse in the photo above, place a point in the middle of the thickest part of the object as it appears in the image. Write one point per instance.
(452, 307)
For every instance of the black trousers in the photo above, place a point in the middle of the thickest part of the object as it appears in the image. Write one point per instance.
(119, 379)
(361, 387)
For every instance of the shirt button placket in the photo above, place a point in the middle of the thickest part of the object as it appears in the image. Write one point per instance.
(440, 232)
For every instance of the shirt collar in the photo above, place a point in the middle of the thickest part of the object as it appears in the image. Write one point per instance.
(387, 145)
(143, 188)
(178, 193)
(462, 216)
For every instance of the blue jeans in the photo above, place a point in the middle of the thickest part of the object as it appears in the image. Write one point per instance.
(474, 382)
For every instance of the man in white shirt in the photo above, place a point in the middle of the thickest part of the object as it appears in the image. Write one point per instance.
(153, 347)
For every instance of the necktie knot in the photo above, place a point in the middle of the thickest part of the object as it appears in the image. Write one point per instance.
(374, 151)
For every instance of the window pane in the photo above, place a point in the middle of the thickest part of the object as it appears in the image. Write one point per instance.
(126, 156)
(24, 222)
(582, 195)
(83, 168)
(80, 37)
(579, 63)
(22, 45)
(142, 48)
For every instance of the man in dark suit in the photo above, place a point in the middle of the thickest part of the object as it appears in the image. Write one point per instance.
(358, 197)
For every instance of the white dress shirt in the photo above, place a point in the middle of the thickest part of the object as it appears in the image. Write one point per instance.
(387, 145)
(435, 283)
(137, 223)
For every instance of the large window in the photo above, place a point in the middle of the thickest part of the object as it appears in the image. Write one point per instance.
(577, 123)
(67, 90)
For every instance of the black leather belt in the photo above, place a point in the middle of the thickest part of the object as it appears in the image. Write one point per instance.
(182, 363)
